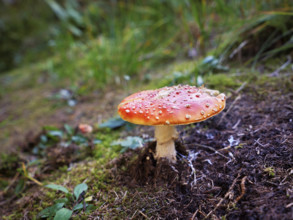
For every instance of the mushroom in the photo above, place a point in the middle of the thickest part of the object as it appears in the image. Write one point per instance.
(85, 128)
(167, 107)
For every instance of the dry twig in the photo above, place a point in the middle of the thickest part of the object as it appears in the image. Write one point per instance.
(229, 109)
(226, 196)
(243, 189)
(210, 148)
(241, 87)
(194, 214)
(144, 215)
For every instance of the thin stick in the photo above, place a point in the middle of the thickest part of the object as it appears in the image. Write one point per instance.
(26, 174)
(226, 196)
(11, 183)
(144, 215)
(194, 214)
(133, 214)
(241, 87)
(210, 148)
(243, 189)
(276, 72)
(229, 109)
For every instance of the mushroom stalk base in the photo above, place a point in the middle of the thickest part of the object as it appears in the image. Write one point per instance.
(165, 136)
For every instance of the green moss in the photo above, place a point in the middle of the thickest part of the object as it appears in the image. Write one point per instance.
(105, 151)
(8, 163)
(221, 81)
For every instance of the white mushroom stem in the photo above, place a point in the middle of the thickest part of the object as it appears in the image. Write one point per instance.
(165, 136)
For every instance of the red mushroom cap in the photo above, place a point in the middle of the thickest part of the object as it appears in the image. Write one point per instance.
(85, 128)
(172, 105)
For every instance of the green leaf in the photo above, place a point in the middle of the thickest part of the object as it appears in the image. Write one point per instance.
(79, 139)
(50, 128)
(74, 30)
(113, 123)
(50, 211)
(90, 208)
(57, 9)
(61, 200)
(97, 141)
(69, 130)
(129, 142)
(56, 133)
(79, 189)
(78, 206)
(19, 187)
(57, 187)
(63, 214)
(43, 138)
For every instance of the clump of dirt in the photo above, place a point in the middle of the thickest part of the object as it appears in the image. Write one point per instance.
(147, 170)
(238, 166)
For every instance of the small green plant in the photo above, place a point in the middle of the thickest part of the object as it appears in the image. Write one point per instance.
(270, 171)
(65, 207)
(65, 137)
(239, 146)
(129, 143)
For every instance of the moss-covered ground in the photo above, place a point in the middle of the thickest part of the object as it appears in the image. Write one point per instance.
(27, 107)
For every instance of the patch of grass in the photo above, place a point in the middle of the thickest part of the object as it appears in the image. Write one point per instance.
(265, 35)
(24, 38)
(122, 40)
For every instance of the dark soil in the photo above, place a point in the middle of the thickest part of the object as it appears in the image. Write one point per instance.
(238, 165)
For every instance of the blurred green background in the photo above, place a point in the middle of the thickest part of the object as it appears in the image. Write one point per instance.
(100, 41)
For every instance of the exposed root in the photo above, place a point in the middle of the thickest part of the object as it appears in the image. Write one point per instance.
(243, 189)
(225, 197)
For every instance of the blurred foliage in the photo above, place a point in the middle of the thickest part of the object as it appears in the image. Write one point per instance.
(24, 32)
(130, 142)
(97, 42)
(263, 37)
(8, 163)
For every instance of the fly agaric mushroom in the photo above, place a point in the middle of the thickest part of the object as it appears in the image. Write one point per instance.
(85, 128)
(169, 106)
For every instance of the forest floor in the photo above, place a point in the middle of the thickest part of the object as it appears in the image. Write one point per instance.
(237, 165)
